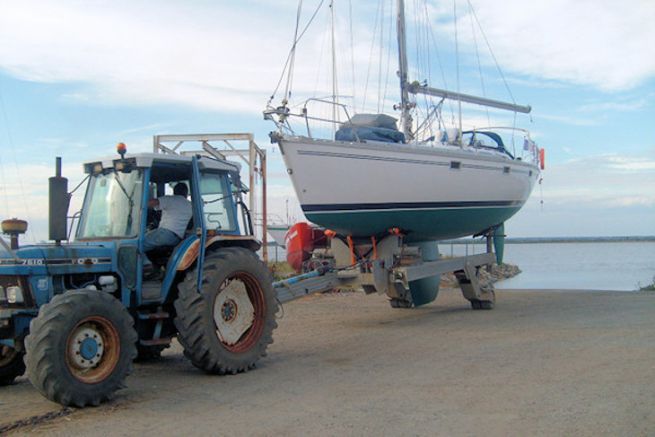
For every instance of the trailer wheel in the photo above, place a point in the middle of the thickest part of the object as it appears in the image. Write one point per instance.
(80, 348)
(227, 326)
(11, 364)
(400, 303)
(477, 304)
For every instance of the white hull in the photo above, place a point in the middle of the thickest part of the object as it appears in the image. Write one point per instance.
(333, 177)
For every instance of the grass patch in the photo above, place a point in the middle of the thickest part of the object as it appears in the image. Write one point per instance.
(281, 270)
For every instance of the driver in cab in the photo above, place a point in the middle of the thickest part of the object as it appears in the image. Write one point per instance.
(176, 211)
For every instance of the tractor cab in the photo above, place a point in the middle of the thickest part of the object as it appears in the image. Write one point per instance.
(118, 206)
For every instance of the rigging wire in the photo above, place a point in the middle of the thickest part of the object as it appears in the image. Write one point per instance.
(20, 180)
(486, 40)
(352, 52)
(459, 102)
(297, 37)
(335, 78)
(320, 63)
(438, 54)
(425, 48)
(477, 54)
(389, 45)
(381, 57)
(370, 58)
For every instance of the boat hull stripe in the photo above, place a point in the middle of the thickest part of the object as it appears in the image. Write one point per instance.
(410, 205)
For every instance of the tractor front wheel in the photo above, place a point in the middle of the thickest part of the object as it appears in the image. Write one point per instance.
(226, 326)
(11, 364)
(80, 348)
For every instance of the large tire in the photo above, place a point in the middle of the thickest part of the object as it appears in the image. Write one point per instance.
(11, 364)
(80, 348)
(206, 320)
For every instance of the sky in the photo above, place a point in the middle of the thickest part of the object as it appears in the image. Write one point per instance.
(76, 77)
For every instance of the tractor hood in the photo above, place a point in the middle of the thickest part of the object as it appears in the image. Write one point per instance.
(48, 259)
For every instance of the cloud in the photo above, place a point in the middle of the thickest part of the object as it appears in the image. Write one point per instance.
(608, 180)
(572, 121)
(599, 43)
(194, 53)
(228, 58)
(615, 106)
(593, 195)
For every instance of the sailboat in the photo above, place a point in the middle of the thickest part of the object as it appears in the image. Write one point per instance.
(374, 175)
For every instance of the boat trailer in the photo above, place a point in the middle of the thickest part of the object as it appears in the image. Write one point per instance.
(390, 267)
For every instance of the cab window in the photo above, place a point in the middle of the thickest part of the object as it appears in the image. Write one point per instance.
(217, 202)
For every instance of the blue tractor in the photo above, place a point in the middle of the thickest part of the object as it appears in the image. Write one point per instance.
(75, 315)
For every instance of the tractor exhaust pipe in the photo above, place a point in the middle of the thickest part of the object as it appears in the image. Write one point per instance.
(59, 199)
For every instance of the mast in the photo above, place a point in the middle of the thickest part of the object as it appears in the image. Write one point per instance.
(406, 88)
(405, 105)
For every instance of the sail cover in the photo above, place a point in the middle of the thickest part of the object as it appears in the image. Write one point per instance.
(375, 127)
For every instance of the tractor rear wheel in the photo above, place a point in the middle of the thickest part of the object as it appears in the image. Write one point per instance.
(227, 325)
(80, 348)
(11, 364)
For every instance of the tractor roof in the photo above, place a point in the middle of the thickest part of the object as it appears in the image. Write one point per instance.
(146, 160)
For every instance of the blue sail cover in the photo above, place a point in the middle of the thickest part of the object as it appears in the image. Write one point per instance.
(356, 133)
(374, 127)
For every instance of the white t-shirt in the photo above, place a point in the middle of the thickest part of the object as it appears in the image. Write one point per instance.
(176, 212)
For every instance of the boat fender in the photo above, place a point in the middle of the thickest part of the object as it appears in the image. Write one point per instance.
(542, 159)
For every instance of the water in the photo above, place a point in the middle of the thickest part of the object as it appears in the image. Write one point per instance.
(617, 266)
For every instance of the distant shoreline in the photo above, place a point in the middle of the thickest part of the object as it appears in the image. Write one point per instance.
(543, 240)
(540, 240)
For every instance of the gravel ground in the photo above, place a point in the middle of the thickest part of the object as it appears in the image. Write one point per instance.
(541, 363)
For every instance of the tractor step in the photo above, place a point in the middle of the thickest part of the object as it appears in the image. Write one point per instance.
(156, 341)
(154, 316)
(151, 290)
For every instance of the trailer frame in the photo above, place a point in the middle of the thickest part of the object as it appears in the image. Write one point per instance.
(387, 275)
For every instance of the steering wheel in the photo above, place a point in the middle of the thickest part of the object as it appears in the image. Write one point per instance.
(153, 218)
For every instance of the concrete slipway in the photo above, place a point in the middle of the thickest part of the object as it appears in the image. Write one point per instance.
(541, 363)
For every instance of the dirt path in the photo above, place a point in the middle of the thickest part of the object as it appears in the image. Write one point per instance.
(539, 364)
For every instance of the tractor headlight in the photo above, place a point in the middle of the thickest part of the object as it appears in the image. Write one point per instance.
(15, 294)
(3, 295)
